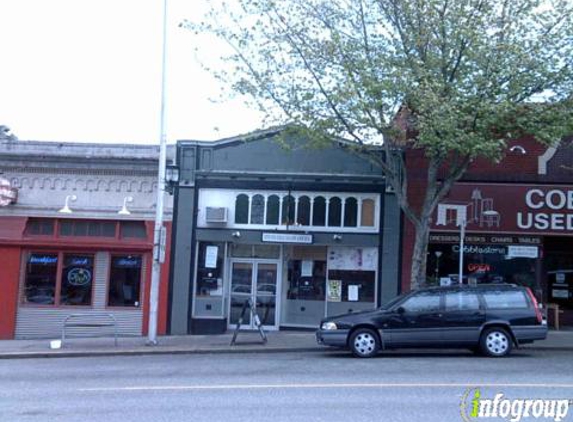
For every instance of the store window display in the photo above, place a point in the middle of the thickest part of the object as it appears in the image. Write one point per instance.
(483, 264)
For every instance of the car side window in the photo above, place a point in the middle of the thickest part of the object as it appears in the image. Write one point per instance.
(505, 299)
(423, 302)
(462, 301)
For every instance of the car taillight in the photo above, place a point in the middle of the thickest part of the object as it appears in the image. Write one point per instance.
(535, 305)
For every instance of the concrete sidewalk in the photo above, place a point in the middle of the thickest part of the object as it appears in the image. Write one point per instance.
(247, 342)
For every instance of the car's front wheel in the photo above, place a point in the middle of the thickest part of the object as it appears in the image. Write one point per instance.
(495, 342)
(364, 343)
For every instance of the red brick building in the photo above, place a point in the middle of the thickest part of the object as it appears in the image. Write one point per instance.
(519, 222)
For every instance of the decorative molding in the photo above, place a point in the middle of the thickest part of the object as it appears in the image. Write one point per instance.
(84, 185)
(100, 177)
(79, 171)
(542, 160)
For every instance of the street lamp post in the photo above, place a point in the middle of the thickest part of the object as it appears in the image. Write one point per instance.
(438, 255)
(159, 231)
(463, 224)
(462, 238)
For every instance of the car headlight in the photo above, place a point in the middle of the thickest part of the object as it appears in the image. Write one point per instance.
(329, 326)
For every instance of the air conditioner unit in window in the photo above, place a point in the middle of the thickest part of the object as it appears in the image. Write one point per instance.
(216, 215)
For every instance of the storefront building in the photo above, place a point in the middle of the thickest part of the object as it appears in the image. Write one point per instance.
(518, 218)
(77, 236)
(302, 233)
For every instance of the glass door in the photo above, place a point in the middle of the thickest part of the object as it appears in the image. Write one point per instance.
(256, 281)
(265, 296)
(241, 291)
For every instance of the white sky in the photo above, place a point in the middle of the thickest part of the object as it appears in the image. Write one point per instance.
(90, 71)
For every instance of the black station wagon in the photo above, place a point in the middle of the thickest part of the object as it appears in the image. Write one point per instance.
(489, 319)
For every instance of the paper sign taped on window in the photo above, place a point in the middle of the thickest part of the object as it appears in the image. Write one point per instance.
(353, 293)
(518, 251)
(445, 281)
(560, 294)
(334, 291)
(211, 253)
(306, 268)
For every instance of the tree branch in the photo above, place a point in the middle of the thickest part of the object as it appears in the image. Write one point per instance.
(314, 75)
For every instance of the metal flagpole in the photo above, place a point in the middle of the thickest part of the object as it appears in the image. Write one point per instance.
(159, 232)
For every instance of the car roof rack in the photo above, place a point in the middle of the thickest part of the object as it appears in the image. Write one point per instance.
(473, 286)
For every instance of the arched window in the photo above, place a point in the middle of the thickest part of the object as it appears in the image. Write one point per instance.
(273, 209)
(258, 209)
(367, 213)
(334, 212)
(288, 210)
(242, 209)
(303, 211)
(350, 212)
(319, 211)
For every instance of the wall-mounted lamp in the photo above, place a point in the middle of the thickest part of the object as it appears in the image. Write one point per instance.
(171, 178)
(518, 149)
(236, 234)
(337, 237)
(124, 210)
(66, 209)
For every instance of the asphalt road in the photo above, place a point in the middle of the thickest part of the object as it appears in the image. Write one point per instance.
(330, 386)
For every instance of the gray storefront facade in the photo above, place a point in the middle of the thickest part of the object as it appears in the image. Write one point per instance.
(301, 232)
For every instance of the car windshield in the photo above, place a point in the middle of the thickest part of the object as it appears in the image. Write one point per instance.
(394, 301)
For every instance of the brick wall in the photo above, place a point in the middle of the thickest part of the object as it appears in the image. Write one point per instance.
(514, 167)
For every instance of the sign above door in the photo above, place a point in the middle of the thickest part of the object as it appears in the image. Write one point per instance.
(287, 238)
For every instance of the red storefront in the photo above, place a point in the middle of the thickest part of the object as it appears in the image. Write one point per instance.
(55, 267)
(52, 268)
(76, 237)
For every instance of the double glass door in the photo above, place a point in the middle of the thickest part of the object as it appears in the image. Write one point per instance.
(257, 281)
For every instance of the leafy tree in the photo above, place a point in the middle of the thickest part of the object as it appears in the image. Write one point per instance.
(454, 78)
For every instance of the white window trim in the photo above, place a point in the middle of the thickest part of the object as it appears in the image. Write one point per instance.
(210, 194)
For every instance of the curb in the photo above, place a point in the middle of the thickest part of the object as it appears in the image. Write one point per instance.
(218, 351)
(558, 348)
(140, 352)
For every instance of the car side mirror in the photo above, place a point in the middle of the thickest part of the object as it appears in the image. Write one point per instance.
(400, 310)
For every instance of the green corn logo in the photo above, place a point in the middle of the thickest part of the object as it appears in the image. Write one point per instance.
(475, 404)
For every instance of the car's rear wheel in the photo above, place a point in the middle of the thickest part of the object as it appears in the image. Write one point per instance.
(364, 343)
(495, 342)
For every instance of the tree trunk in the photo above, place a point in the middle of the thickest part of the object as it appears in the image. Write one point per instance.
(421, 216)
(418, 274)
